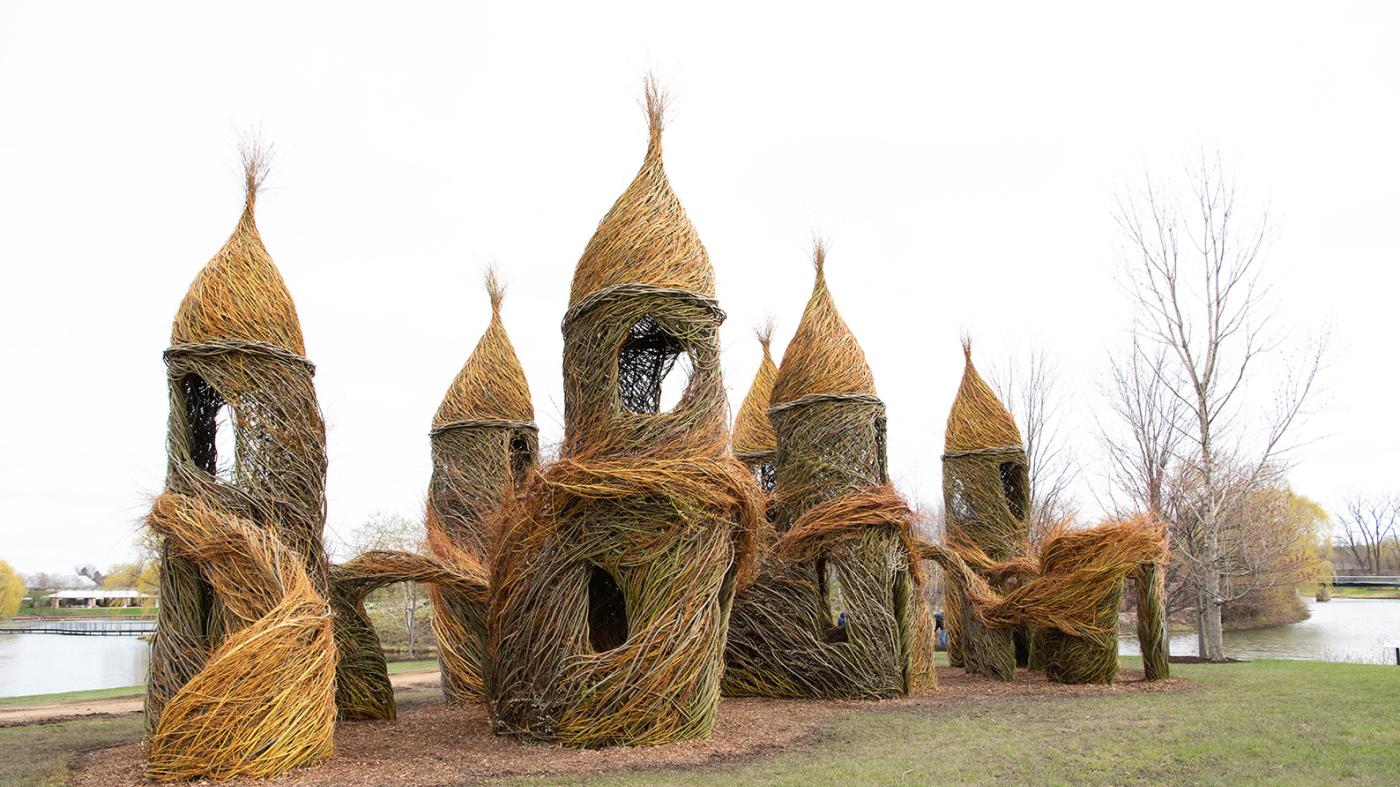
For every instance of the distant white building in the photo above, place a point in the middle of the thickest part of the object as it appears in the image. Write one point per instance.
(99, 598)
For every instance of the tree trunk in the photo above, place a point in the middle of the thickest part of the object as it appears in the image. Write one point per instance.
(1200, 624)
(1213, 634)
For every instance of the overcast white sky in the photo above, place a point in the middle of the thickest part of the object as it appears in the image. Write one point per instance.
(962, 157)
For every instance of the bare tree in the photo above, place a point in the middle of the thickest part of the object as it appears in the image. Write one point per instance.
(1202, 329)
(1369, 528)
(1031, 390)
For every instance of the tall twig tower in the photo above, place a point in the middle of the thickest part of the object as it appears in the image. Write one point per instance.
(835, 611)
(612, 585)
(236, 368)
(755, 444)
(484, 444)
(986, 499)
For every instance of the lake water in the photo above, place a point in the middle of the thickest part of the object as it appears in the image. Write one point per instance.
(46, 663)
(1343, 629)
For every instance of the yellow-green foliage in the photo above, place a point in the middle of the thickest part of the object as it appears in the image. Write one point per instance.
(11, 590)
(142, 576)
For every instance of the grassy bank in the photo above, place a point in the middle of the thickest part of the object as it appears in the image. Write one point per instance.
(1255, 722)
(71, 696)
(1351, 592)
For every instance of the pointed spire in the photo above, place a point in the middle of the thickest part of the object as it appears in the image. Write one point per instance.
(492, 384)
(753, 432)
(239, 294)
(823, 356)
(646, 238)
(978, 419)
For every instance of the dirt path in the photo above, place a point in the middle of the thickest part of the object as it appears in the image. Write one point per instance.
(117, 706)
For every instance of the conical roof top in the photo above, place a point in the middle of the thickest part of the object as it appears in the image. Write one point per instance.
(492, 383)
(978, 419)
(823, 356)
(240, 295)
(753, 432)
(646, 237)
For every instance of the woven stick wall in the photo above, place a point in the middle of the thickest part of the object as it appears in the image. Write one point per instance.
(843, 537)
(1102, 558)
(1151, 595)
(363, 690)
(484, 444)
(236, 343)
(616, 567)
(1069, 597)
(263, 702)
(986, 497)
(755, 443)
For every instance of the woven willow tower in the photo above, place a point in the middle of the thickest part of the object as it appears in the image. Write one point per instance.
(755, 444)
(986, 498)
(483, 440)
(835, 611)
(612, 585)
(237, 365)
(484, 444)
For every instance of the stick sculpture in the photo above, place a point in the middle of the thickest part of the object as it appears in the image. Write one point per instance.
(236, 347)
(615, 571)
(755, 444)
(836, 610)
(986, 499)
(484, 445)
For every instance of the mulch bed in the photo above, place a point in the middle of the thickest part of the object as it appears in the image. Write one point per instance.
(433, 744)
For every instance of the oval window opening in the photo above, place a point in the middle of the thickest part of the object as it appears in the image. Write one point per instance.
(213, 444)
(1013, 486)
(832, 603)
(522, 456)
(607, 611)
(653, 369)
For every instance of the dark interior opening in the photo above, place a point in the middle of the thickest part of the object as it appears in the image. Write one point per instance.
(645, 359)
(203, 408)
(1021, 641)
(520, 458)
(767, 476)
(834, 619)
(607, 611)
(899, 598)
(1014, 486)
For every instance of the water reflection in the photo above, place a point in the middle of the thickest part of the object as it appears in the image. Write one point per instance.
(45, 663)
(1344, 629)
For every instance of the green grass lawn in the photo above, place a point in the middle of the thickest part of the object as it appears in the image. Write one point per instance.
(395, 667)
(1351, 592)
(1257, 722)
(72, 696)
(39, 753)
